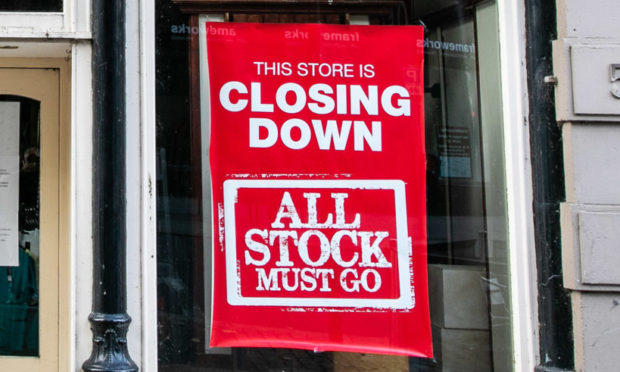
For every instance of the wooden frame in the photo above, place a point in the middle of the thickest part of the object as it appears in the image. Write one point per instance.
(47, 80)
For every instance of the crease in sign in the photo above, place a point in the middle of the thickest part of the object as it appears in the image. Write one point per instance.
(220, 225)
(411, 271)
(352, 309)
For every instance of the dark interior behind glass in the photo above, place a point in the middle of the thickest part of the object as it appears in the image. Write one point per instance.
(31, 5)
(466, 235)
(19, 294)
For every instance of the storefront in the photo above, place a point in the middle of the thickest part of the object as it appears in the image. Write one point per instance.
(466, 212)
(375, 159)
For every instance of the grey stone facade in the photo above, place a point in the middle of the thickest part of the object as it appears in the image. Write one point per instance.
(588, 46)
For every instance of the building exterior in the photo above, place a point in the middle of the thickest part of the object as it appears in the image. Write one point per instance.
(589, 208)
(106, 196)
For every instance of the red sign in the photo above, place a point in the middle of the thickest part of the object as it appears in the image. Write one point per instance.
(318, 178)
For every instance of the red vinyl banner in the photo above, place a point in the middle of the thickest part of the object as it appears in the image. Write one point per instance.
(318, 185)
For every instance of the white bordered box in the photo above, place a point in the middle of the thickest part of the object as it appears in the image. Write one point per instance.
(233, 278)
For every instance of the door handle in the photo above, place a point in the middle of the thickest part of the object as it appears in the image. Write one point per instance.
(615, 76)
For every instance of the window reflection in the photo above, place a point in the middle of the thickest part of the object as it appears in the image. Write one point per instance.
(31, 5)
(468, 272)
(19, 295)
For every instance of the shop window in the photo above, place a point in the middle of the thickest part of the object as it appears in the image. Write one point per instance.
(31, 6)
(31, 216)
(466, 213)
(19, 292)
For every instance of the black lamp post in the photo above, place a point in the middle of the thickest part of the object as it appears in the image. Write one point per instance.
(109, 319)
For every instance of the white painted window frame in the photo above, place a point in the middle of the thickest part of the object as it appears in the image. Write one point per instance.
(73, 22)
(519, 194)
(148, 229)
(81, 202)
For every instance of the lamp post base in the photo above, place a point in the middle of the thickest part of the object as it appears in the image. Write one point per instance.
(110, 352)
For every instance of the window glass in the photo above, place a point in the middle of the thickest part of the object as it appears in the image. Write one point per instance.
(31, 5)
(466, 212)
(19, 226)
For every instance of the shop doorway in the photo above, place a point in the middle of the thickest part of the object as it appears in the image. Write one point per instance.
(29, 218)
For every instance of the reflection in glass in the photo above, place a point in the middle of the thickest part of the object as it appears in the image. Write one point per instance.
(31, 5)
(19, 296)
(467, 245)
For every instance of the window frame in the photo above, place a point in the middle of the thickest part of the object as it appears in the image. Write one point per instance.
(57, 318)
(519, 192)
(72, 22)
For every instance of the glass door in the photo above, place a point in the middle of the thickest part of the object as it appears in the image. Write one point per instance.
(29, 219)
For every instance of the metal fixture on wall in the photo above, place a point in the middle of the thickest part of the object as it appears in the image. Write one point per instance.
(554, 306)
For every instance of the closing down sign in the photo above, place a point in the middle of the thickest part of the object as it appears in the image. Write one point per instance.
(318, 177)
